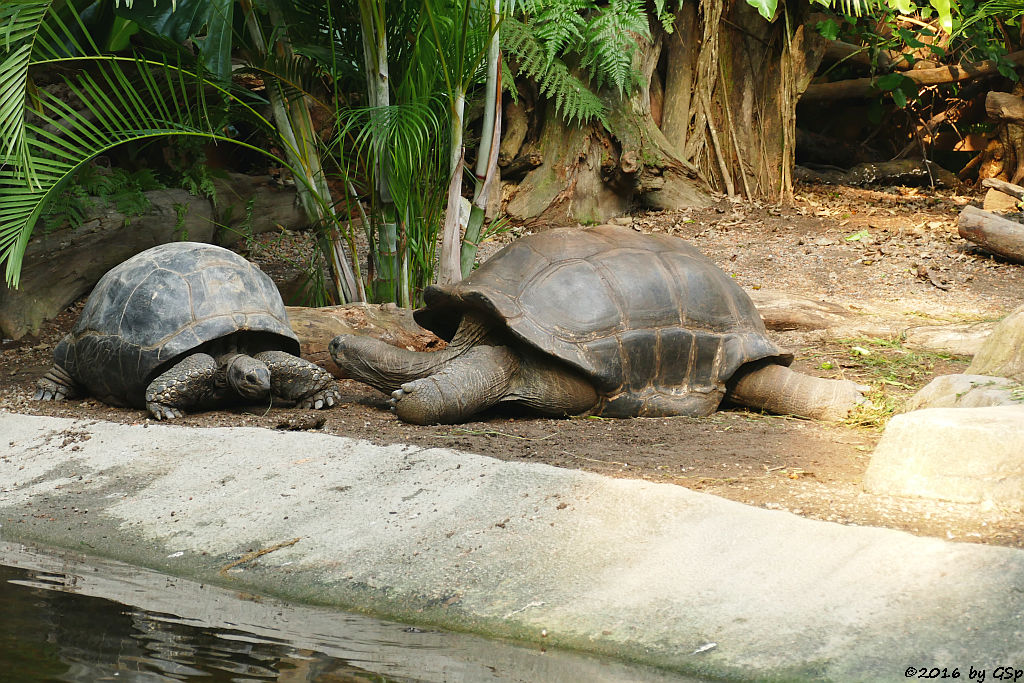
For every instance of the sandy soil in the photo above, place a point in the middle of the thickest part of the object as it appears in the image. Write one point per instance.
(889, 249)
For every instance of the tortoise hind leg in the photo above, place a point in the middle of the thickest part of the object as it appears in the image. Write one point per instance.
(297, 379)
(777, 389)
(188, 384)
(473, 381)
(57, 385)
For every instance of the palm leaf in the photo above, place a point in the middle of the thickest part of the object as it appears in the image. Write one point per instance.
(149, 100)
(20, 20)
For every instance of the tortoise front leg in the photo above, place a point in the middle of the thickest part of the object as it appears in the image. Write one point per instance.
(57, 385)
(188, 384)
(476, 380)
(296, 379)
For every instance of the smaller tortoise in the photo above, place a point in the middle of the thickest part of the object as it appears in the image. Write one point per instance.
(180, 327)
(604, 320)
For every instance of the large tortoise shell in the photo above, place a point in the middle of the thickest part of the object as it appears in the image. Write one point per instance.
(655, 325)
(151, 310)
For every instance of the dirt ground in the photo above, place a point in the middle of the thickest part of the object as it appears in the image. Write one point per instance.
(891, 249)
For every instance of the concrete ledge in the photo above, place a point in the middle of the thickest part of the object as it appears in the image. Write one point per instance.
(966, 455)
(651, 573)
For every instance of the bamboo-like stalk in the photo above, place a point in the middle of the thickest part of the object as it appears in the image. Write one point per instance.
(490, 139)
(448, 266)
(295, 125)
(391, 242)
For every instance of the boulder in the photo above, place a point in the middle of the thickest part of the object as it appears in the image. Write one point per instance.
(965, 455)
(62, 266)
(316, 327)
(250, 205)
(1002, 353)
(961, 339)
(967, 391)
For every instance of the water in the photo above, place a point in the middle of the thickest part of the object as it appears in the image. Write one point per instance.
(64, 617)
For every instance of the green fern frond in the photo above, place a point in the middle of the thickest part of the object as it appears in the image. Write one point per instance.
(572, 97)
(610, 36)
(559, 25)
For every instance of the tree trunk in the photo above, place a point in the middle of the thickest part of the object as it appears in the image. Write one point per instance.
(743, 134)
(727, 114)
(1004, 157)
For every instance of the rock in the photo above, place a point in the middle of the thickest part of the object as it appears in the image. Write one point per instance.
(962, 339)
(250, 205)
(1002, 353)
(999, 201)
(967, 391)
(316, 327)
(966, 455)
(61, 266)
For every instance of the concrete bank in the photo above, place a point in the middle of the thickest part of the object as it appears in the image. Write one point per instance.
(646, 572)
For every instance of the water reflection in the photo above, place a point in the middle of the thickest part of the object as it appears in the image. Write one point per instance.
(66, 618)
(50, 632)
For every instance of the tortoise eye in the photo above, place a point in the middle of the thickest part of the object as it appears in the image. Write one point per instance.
(251, 378)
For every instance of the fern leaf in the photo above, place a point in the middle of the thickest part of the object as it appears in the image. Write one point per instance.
(573, 99)
(612, 44)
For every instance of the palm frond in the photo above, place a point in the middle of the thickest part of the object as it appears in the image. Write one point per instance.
(20, 20)
(149, 100)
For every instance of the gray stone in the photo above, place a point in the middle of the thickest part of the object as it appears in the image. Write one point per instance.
(968, 455)
(967, 391)
(1002, 353)
(250, 205)
(61, 266)
(962, 339)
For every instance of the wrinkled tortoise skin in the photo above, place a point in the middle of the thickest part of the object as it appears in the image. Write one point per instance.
(656, 326)
(148, 312)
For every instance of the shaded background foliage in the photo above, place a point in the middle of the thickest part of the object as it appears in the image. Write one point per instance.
(374, 107)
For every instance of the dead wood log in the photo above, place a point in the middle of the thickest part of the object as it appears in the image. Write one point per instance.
(521, 165)
(316, 327)
(911, 172)
(838, 51)
(865, 87)
(994, 233)
(1004, 187)
(516, 124)
(1004, 106)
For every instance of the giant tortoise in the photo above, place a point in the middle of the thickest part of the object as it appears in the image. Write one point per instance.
(605, 320)
(185, 326)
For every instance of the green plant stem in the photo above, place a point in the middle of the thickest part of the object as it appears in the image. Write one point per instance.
(294, 124)
(490, 139)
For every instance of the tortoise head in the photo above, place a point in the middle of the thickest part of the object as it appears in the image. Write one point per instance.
(248, 377)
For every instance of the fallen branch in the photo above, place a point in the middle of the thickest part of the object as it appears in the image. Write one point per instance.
(865, 87)
(259, 553)
(838, 51)
(1004, 106)
(1004, 187)
(995, 233)
(521, 165)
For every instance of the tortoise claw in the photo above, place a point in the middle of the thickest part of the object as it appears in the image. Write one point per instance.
(320, 400)
(48, 390)
(164, 412)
